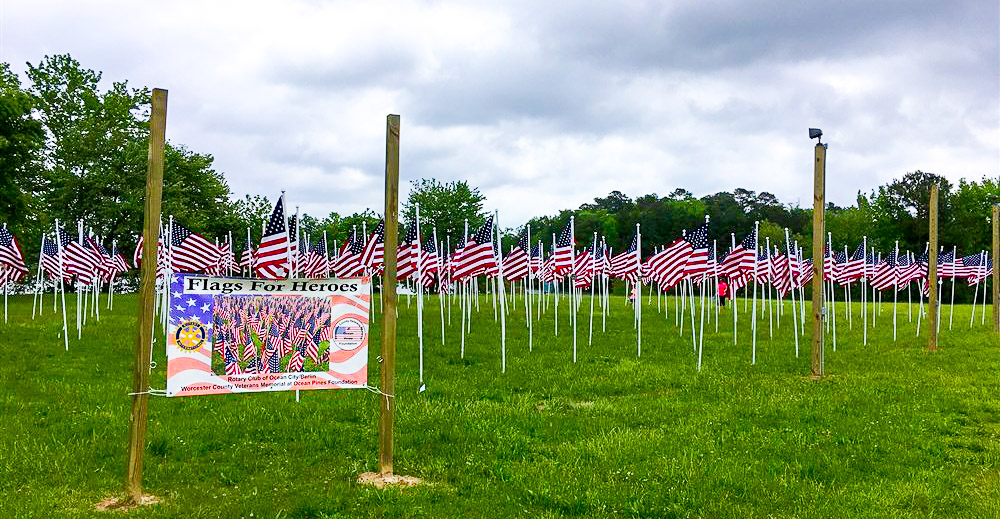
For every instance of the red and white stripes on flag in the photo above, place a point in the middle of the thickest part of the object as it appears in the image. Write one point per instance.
(11, 256)
(373, 257)
(626, 264)
(407, 253)
(190, 251)
(477, 256)
(562, 251)
(272, 254)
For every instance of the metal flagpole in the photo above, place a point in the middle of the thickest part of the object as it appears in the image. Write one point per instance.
(527, 293)
(555, 285)
(847, 294)
(770, 315)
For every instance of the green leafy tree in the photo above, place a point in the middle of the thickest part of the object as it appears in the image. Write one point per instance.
(446, 206)
(21, 144)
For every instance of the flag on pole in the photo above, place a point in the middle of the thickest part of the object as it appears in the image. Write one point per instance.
(563, 252)
(477, 256)
(272, 254)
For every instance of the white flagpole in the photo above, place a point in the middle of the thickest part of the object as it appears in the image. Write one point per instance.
(465, 306)
(555, 285)
(791, 280)
(756, 238)
(638, 272)
(951, 316)
(715, 288)
(440, 270)
(79, 302)
(732, 290)
(503, 297)
(833, 294)
(864, 286)
(593, 281)
(572, 282)
(847, 294)
(62, 287)
(527, 294)
(985, 280)
(701, 336)
(895, 288)
(770, 314)
(420, 298)
(38, 283)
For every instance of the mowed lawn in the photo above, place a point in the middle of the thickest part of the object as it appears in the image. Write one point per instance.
(893, 431)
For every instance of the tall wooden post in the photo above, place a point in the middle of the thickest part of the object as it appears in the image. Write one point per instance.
(996, 267)
(388, 368)
(144, 337)
(819, 206)
(932, 281)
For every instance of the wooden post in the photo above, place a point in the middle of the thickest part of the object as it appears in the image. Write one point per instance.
(388, 368)
(819, 203)
(144, 337)
(932, 257)
(996, 267)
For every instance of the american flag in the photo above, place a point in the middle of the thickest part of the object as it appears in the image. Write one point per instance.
(515, 265)
(373, 256)
(11, 255)
(782, 275)
(947, 266)
(189, 251)
(50, 257)
(854, 267)
(317, 265)
(885, 274)
(477, 256)
(626, 264)
(563, 251)
(741, 258)
(428, 262)
(293, 243)
(840, 262)
(232, 366)
(671, 264)
(272, 255)
(697, 262)
(78, 259)
(349, 261)
(105, 263)
(295, 363)
(583, 268)
(407, 253)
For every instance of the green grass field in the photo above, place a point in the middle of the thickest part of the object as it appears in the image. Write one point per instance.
(893, 431)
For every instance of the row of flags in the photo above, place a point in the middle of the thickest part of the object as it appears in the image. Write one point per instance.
(279, 255)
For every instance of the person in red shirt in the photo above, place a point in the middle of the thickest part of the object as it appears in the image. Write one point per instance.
(723, 292)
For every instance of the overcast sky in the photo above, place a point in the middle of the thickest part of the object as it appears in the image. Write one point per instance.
(546, 105)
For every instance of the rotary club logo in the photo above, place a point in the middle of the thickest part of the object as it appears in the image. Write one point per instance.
(190, 335)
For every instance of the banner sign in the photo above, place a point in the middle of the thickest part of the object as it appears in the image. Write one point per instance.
(230, 335)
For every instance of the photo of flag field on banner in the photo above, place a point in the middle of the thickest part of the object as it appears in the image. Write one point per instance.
(238, 335)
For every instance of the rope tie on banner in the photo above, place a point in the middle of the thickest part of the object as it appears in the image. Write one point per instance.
(151, 391)
(378, 391)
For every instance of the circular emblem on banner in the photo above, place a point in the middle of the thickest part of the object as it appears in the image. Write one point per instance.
(348, 334)
(190, 335)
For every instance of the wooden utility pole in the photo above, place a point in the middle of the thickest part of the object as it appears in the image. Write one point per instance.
(144, 337)
(996, 267)
(932, 281)
(819, 233)
(388, 368)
